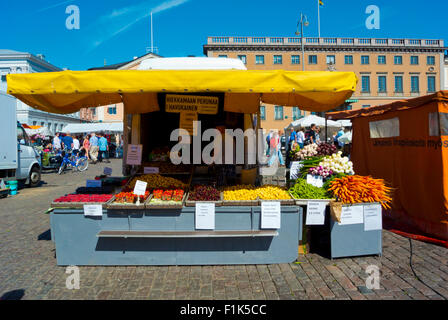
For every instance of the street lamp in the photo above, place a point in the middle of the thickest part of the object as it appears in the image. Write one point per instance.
(303, 22)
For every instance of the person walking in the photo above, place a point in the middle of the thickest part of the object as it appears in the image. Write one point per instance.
(67, 142)
(103, 148)
(76, 145)
(317, 135)
(94, 148)
(268, 141)
(301, 137)
(57, 143)
(86, 146)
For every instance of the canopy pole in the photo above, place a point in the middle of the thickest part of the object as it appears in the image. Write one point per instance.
(326, 138)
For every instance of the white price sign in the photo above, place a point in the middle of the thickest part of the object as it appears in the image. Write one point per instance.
(295, 169)
(93, 183)
(93, 210)
(315, 213)
(352, 215)
(373, 219)
(107, 171)
(150, 170)
(270, 215)
(316, 181)
(134, 155)
(205, 216)
(140, 188)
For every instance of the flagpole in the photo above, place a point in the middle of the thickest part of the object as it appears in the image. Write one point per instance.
(318, 16)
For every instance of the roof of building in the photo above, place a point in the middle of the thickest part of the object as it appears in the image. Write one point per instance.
(122, 64)
(8, 52)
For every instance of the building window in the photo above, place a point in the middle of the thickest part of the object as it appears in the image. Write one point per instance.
(62, 127)
(431, 84)
(55, 127)
(296, 113)
(312, 59)
(348, 59)
(365, 82)
(398, 60)
(243, 58)
(365, 59)
(3, 77)
(112, 110)
(431, 60)
(263, 113)
(295, 59)
(414, 60)
(331, 60)
(42, 124)
(278, 59)
(382, 84)
(366, 105)
(222, 56)
(399, 84)
(381, 59)
(415, 84)
(278, 113)
(259, 59)
(34, 123)
(385, 128)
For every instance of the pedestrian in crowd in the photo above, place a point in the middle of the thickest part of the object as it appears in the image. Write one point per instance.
(76, 145)
(94, 148)
(268, 141)
(310, 135)
(67, 142)
(86, 146)
(275, 150)
(317, 134)
(336, 138)
(57, 143)
(301, 137)
(103, 148)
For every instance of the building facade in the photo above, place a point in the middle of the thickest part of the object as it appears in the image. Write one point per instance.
(23, 62)
(387, 69)
(114, 112)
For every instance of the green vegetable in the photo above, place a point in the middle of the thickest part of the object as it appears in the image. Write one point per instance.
(309, 163)
(304, 190)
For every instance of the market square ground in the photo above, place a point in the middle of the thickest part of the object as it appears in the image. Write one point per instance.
(28, 264)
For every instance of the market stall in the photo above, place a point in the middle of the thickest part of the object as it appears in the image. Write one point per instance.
(198, 213)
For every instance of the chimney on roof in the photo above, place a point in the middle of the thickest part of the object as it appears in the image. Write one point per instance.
(135, 58)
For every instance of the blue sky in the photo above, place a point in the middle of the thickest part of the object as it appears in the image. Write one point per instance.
(118, 30)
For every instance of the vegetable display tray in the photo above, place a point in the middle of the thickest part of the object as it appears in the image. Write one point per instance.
(110, 205)
(152, 206)
(192, 203)
(75, 205)
(283, 202)
(248, 203)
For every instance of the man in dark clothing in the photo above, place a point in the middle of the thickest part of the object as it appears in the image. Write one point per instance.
(311, 135)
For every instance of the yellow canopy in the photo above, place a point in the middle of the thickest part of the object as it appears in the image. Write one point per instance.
(68, 91)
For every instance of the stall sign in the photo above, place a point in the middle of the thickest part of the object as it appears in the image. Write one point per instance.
(372, 217)
(295, 169)
(315, 212)
(140, 188)
(186, 122)
(93, 183)
(93, 210)
(316, 181)
(205, 216)
(134, 155)
(151, 170)
(352, 215)
(270, 215)
(198, 104)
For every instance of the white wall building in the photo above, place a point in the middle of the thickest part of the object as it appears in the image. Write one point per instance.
(23, 62)
(445, 70)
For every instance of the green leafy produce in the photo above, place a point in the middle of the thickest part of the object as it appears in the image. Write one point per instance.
(309, 163)
(304, 190)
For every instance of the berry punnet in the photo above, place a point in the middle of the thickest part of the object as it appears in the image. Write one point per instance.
(86, 198)
(204, 193)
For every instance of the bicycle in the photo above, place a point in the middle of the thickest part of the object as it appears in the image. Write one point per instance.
(69, 160)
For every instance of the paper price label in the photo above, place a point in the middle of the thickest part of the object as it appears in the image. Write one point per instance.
(295, 169)
(316, 181)
(373, 219)
(315, 213)
(107, 171)
(140, 188)
(352, 215)
(93, 183)
(270, 215)
(151, 170)
(93, 210)
(205, 216)
(134, 155)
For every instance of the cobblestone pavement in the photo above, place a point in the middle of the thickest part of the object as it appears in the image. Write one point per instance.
(28, 264)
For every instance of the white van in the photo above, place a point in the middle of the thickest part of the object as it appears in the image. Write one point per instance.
(18, 158)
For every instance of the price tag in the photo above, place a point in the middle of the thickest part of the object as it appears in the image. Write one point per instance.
(317, 181)
(93, 210)
(295, 169)
(315, 213)
(93, 183)
(352, 215)
(140, 188)
(134, 155)
(270, 215)
(373, 219)
(205, 216)
(107, 171)
(150, 170)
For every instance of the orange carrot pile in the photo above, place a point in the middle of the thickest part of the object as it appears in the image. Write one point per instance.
(358, 189)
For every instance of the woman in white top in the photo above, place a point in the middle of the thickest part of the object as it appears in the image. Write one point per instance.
(301, 137)
(76, 145)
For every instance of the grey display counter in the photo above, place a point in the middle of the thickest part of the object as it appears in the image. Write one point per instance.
(168, 237)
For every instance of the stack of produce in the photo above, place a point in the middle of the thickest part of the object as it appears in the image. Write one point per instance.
(307, 151)
(359, 189)
(308, 164)
(269, 192)
(304, 190)
(156, 181)
(240, 193)
(204, 193)
(130, 197)
(326, 149)
(337, 163)
(168, 195)
(321, 171)
(87, 198)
